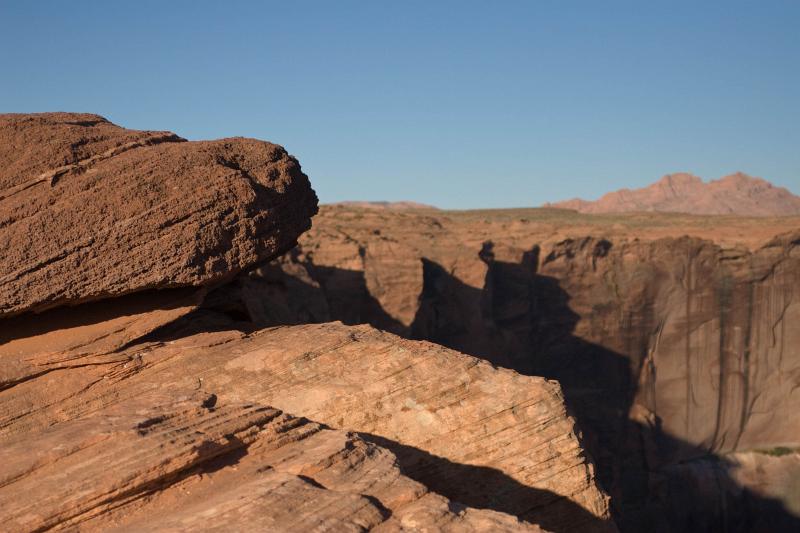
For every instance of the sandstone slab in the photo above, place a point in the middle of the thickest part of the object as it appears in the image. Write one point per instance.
(167, 463)
(486, 438)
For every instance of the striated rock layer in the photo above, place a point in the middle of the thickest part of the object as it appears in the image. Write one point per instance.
(136, 394)
(671, 350)
(89, 210)
(486, 438)
(161, 462)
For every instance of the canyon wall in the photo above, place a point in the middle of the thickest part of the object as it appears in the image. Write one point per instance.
(674, 351)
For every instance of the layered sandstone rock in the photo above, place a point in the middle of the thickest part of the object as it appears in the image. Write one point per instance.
(137, 392)
(483, 437)
(736, 194)
(164, 463)
(89, 210)
(670, 349)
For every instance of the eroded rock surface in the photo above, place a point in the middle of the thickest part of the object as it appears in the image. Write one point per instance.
(486, 438)
(160, 462)
(670, 349)
(137, 392)
(89, 210)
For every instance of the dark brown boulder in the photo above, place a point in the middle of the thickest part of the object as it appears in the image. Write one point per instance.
(90, 210)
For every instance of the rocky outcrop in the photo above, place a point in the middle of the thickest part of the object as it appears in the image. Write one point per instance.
(89, 210)
(671, 350)
(737, 194)
(486, 438)
(160, 463)
(137, 391)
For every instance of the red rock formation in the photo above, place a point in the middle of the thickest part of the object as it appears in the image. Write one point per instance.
(156, 463)
(485, 437)
(737, 194)
(133, 395)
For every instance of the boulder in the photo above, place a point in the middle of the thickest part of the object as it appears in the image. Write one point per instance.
(89, 210)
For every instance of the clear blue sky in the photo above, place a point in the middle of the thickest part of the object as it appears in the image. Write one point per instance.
(459, 104)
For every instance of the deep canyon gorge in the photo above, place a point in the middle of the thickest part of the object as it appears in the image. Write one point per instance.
(187, 341)
(674, 337)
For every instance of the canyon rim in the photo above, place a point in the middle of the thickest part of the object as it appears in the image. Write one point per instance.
(191, 343)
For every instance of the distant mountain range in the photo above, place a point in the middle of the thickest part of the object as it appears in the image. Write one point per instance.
(395, 206)
(737, 194)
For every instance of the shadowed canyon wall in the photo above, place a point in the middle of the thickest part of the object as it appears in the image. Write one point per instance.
(677, 355)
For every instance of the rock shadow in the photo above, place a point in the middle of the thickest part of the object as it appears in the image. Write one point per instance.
(287, 292)
(483, 487)
(350, 301)
(522, 320)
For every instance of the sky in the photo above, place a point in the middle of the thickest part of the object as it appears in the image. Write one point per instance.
(459, 104)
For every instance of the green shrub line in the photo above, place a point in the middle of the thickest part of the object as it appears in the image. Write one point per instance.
(779, 451)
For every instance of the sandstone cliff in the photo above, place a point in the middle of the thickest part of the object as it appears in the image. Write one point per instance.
(484, 437)
(673, 351)
(137, 392)
(165, 463)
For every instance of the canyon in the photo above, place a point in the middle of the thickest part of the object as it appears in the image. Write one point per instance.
(189, 342)
(674, 337)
